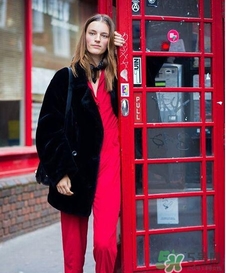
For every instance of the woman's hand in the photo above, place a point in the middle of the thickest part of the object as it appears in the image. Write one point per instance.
(118, 39)
(64, 186)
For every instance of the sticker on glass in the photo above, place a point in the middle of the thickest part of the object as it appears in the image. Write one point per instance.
(135, 5)
(167, 211)
(136, 70)
(173, 36)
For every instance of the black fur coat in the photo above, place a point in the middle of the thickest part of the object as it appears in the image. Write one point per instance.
(77, 151)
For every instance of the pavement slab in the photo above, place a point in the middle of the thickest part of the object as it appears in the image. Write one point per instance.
(40, 251)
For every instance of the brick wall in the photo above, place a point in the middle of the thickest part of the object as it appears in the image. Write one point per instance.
(23, 206)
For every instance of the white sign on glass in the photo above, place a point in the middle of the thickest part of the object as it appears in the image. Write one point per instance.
(167, 211)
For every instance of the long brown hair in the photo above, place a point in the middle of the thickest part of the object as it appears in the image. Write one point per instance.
(82, 56)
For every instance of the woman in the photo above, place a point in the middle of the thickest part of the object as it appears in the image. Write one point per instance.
(84, 162)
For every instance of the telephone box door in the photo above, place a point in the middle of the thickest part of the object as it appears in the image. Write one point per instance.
(171, 122)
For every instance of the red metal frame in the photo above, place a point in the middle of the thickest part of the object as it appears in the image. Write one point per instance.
(219, 133)
(105, 7)
(128, 123)
(127, 143)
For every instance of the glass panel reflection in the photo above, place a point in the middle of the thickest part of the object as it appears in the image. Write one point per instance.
(207, 37)
(139, 215)
(210, 210)
(174, 212)
(173, 107)
(140, 250)
(212, 255)
(207, 9)
(187, 243)
(158, 33)
(174, 177)
(208, 66)
(207, 79)
(139, 178)
(173, 142)
(209, 138)
(188, 8)
(209, 175)
(208, 104)
(172, 71)
(136, 36)
(138, 143)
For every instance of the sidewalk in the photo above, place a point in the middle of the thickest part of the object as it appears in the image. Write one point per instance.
(39, 251)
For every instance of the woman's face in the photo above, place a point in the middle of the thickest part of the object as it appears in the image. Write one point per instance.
(97, 37)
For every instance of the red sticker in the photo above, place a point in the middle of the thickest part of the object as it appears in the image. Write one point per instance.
(173, 36)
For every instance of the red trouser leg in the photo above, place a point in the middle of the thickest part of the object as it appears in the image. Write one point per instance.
(106, 208)
(74, 235)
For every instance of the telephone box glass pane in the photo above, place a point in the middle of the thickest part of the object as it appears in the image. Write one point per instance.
(195, 64)
(136, 36)
(140, 214)
(174, 212)
(209, 138)
(173, 107)
(208, 69)
(207, 78)
(207, 37)
(209, 175)
(211, 252)
(187, 243)
(207, 9)
(138, 143)
(139, 179)
(174, 177)
(173, 142)
(208, 104)
(210, 210)
(181, 36)
(140, 250)
(188, 8)
(172, 71)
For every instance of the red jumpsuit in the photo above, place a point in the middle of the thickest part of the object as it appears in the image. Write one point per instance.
(106, 204)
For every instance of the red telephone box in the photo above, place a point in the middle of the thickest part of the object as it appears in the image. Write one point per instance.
(171, 84)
